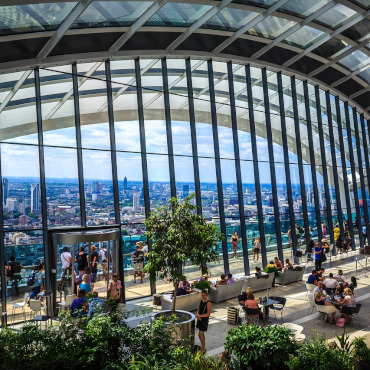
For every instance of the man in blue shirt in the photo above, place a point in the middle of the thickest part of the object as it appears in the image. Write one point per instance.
(312, 279)
(319, 250)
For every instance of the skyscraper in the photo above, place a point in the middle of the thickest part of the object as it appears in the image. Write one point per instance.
(125, 183)
(5, 190)
(136, 202)
(35, 197)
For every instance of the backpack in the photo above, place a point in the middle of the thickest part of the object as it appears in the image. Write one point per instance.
(31, 279)
(80, 260)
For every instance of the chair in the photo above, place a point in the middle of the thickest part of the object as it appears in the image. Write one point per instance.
(355, 313)
(21, 305)
(35, 306)
(67, 303)
(311, 299)
(278, 306)
(252, 315)
(310, 288)
(294, 327)
(326, 310)
(299, 337)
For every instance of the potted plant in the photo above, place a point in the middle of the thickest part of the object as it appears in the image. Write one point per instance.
(179, 235)
(361, 353)
(260, 347)
(203, 285)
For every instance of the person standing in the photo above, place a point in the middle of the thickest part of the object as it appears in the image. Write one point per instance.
(115, 288)
(234, 240)
(66, 259)
(336, 232)
(323, 230)
(319, 251)
(36, 281)
(256, 248)
(203, 313)
(14, 272)
(94, 263)
(138, 260)
(104, 260)
(364, 233)
(290, 237)
(81, 260)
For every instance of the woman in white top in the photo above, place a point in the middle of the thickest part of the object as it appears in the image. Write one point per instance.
(348, 303)
(66, 259)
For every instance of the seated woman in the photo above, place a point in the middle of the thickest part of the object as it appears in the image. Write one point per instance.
(258, 272)
(184, 287)
(223, 280)
(321, 301)
(230, 279)
(278, 264)
(79, 305)
(85, 284)
(288, 265)
(348, 303)
(353, 284)
(251, 304)
(325, 245)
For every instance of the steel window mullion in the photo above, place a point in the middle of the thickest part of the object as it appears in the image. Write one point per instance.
(167, 111)
(366, 153)
(312, 160)
(198, 198)
(272, 166)
(112, 137)
(344, 169)
(286, 161)
(144, 163)
(353, 172)
(218, 165)
(255, 164)
(48, 253)
(2, 251)
(81, 184)
(362, 183)
(335, 168)
(323, 164)
(239, 183)
(300, 162)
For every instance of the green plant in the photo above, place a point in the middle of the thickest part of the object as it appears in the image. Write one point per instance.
(178, 235)
(318, 354)
(361, 351)
(203, 285)
(271, 268)
(260, 347)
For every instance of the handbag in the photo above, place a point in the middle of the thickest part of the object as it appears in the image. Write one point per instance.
(322, 258)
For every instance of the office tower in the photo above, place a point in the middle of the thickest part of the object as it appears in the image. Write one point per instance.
(5, 190)
(136, 202)
(35, 197)
(125, 183)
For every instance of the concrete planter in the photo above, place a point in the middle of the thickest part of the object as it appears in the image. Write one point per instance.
(182, 330)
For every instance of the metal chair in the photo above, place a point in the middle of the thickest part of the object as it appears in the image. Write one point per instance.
(311, 299)
(279, 306)
(35, 306)
(310, 288)
(325, 311)
(21, 305)
(67, 303)
(355, 313)
(252, 315)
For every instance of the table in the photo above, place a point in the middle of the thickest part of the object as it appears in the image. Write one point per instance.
(269, 302)
(42, 318)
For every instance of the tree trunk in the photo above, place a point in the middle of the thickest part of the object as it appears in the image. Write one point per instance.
(175, 285)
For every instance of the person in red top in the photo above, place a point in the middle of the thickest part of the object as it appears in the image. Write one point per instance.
(278, 264)
(251, 302)
(115, 288)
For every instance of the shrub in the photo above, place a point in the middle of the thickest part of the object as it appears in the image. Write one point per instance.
(203, 285)
(260, 347)
(361, 351)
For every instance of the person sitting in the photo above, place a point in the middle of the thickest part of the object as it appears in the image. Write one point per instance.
(87, 271)
(204, 278)
(80, 305)
(243, 297)
(223, 280)
(288, 265)
(353, 284)
(319, 288)
(330, 284)
(347, 244)
(348, 303)
(278, 264)
(312, 279)
(95, 304)
(184, 287)
(85, 284)
(340, 277)
(320, 274)
(250, 302)
(321, 301)
(230, 279)
(337, 293)
(258, 272)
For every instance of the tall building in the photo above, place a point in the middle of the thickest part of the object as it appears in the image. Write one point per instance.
(136, 202)
(35, 197)
(185, 190)
(125, 183)
(5, 190)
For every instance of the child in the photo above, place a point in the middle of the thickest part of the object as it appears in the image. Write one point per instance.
(115, 288)
(85, 283)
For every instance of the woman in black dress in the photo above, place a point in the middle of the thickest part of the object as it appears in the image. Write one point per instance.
(204, 310)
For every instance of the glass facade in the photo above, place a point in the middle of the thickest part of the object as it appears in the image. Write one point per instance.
(152, 129)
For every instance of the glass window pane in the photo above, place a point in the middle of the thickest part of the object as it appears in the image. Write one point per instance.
(304, 37)
(303, 7)
(111, 14)
(337, 16)
(33, 17)
(271, 27)
(21, 186)
(62, 190)
(355, 60)
(184, 174)
(208, 187)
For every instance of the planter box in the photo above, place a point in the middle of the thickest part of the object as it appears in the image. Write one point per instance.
(225, 292)
(290, 276)
(187, 302)
(262, 283)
